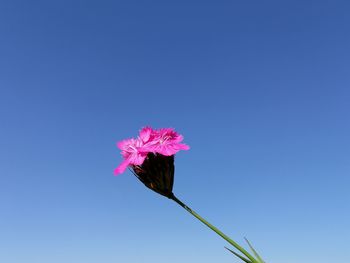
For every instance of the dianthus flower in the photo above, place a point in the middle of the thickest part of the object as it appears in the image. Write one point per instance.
(164, 141)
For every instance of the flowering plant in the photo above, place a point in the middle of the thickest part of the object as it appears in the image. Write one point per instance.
(151, 158)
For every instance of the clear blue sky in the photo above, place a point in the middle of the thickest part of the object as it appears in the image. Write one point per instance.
(259, 89)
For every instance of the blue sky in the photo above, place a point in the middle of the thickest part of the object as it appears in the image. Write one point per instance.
(260, 90)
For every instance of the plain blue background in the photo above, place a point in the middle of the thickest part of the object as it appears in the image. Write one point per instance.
(259, 89)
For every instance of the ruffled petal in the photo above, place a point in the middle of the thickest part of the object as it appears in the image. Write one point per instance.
(145, 134)
(124, 144)
(122, 167)
(182, 146)
(137, 159)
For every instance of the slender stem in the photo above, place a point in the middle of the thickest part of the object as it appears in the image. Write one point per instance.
(216, 230)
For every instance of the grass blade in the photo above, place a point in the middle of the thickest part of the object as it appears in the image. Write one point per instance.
(238, 255)
(254, 252)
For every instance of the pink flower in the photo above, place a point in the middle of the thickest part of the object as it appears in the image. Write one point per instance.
(163, 141)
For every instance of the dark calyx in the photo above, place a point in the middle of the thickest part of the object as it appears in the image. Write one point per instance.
(157, 173)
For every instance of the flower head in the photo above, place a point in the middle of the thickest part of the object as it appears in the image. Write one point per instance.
(164, 141)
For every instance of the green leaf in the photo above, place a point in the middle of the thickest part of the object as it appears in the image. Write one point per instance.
(238, 255)
(254, 251)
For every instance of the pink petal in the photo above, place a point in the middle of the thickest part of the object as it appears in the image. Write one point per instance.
(183, 146)
(137, 159)
(145, 134)
(125, 143)
(122, 167)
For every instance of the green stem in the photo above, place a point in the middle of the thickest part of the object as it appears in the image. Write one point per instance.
(216, 230)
